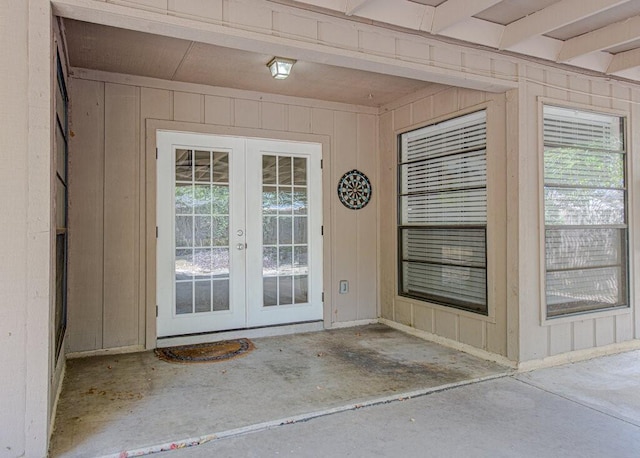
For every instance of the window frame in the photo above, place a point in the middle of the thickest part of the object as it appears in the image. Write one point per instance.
(459, 306)
(627, 242)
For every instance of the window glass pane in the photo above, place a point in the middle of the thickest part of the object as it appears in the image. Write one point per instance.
(465, 247)
(220, 231)
(580, 248)
(452, 136)
(202, 231)
(270, 291)
(285, 259)
(453, 285)
(270, 230)
(285, 201)
(300, 201)
(61, 155)
(202, 199)
(584, 167)
(269, 261)
(583, 129)
(269, 199)
(571, 206)
(184, 231)
(300, 230)
(443, 180)
(575, 291)
(451, 207)
(467, 170)
(220, 200)
(301, 289)
(202, 263)
(220, 262)
(576, 167)
(61, 204)
(284, 229)
(184, 264)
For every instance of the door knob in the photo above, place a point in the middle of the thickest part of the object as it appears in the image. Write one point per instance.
(240, 246)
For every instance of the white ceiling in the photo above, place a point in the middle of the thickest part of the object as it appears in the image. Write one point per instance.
(99, 47)
(600, 35)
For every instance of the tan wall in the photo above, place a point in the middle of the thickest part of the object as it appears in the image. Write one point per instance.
(540, 339)
(487, 333)
(108, 297)
(26, 232)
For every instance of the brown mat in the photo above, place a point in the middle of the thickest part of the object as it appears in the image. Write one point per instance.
(206, 352)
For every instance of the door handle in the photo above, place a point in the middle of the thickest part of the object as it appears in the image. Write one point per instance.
(240, 246)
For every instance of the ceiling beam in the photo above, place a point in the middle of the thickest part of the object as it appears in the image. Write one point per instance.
(353, 6)
(553, 17)
(453, 11)
(606, 37)
(624, 61)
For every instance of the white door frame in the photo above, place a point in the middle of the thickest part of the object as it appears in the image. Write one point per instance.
(254, 148)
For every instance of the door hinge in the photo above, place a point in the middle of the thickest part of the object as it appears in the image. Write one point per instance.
(323, 296)
(156, 311)
(156, 231)
(321, 230)
(156, 153)
(321, 163)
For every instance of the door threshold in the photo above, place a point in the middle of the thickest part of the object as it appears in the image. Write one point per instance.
(249, 333)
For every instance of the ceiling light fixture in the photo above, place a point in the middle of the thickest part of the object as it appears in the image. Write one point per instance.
(280, 67)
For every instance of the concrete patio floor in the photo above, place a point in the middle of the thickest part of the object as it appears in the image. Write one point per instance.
(140, 404)
(581, 410)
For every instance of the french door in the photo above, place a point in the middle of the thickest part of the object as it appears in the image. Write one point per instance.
(239, 233)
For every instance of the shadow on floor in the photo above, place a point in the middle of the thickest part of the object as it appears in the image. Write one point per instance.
(110, 404)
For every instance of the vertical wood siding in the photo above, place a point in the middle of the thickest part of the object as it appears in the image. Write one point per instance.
(108, 281)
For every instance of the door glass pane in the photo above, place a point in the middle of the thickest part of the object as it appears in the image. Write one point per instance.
(220, 295)
(203, 296)
(284, 170)
(183, 165)
(201, 222)
(202, 171)
(184, 297)
(301, 292)
(285, 295)
(184, 199)
(220, 167)
(300, 171)
(285, 240)
(269, 170)
(270, 291)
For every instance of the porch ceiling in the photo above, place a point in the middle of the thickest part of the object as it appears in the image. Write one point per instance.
(602, 35)
(99, 47)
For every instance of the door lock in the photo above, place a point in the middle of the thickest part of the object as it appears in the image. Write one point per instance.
(240, 232)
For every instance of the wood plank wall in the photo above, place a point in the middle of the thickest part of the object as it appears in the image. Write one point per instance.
(107, 227)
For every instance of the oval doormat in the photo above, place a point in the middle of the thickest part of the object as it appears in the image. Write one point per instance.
(206, 352)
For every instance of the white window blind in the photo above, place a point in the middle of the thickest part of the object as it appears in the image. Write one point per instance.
(443, 212)
(585, 211)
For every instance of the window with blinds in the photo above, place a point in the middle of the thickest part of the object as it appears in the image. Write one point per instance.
(442, 203)
(585, 211)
